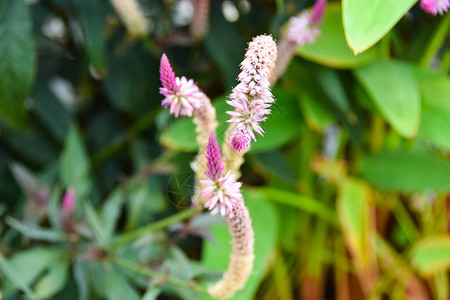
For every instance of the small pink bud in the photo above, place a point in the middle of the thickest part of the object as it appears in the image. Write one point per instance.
(68, 202)
(214, 159)
(318, 11)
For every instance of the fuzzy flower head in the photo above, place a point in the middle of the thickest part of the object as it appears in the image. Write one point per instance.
(182, 95)
(252, 97)
(222, 192)
(435, 6)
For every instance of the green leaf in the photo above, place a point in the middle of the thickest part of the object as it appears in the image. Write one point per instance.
(17, 60)
(15, 278)
(280, 128)
(394, 90)
(331, 48)
(265, 225)
(54, 281)
(431, 255)
(354, 216)
(301, 202)
(35, 232)
(98, 229)
(92, 21)
(51, 111)
(28, 265)
(81, 278)
(435, 91)
(117, 287)
(367, 21)
(108, 282)
(406, 171)
(152, 293)
(111, 211)
(317, 115)
(74, 164)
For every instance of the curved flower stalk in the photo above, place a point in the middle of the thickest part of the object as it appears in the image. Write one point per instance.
(302, 30)
(224, 196)
(200, 20)
(185, 98)
(435, 6)
(251, 99)
(132, 16)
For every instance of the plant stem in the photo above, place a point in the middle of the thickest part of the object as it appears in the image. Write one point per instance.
(134, 234)
(435, 43)
(130, 265)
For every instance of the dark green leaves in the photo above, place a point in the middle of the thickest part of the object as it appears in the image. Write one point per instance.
(92, 23)
(17, 59)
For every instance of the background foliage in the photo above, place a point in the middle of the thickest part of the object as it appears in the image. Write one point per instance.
(348, 190)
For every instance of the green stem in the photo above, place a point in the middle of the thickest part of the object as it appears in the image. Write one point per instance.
(132, 266)
(436, 41)
(134, 234)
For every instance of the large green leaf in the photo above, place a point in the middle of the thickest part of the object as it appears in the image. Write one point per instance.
(53, 281)
(17, 60)
(431, 255)
(280, 127)
(74, 164)
(367, 21)
(406, 171)
(331, 48)
(393, 88)
(28, 265)
(435, 91)
(265, 224)
(14, 277)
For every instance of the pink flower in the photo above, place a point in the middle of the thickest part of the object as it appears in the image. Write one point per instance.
(435, 6)
(182, 95)
(304, 29)
(251, 98)
(240, 140)
(68, 202)
(222, 192)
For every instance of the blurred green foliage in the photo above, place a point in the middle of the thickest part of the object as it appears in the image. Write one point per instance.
(348, 190)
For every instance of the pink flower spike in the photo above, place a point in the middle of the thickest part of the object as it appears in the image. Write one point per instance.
(68, 202)
(223, 194)
(213, 158)
(166, 73)
(182, 95)
(251, 98)
(435, 6)
(318, 10)
(302, 30)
